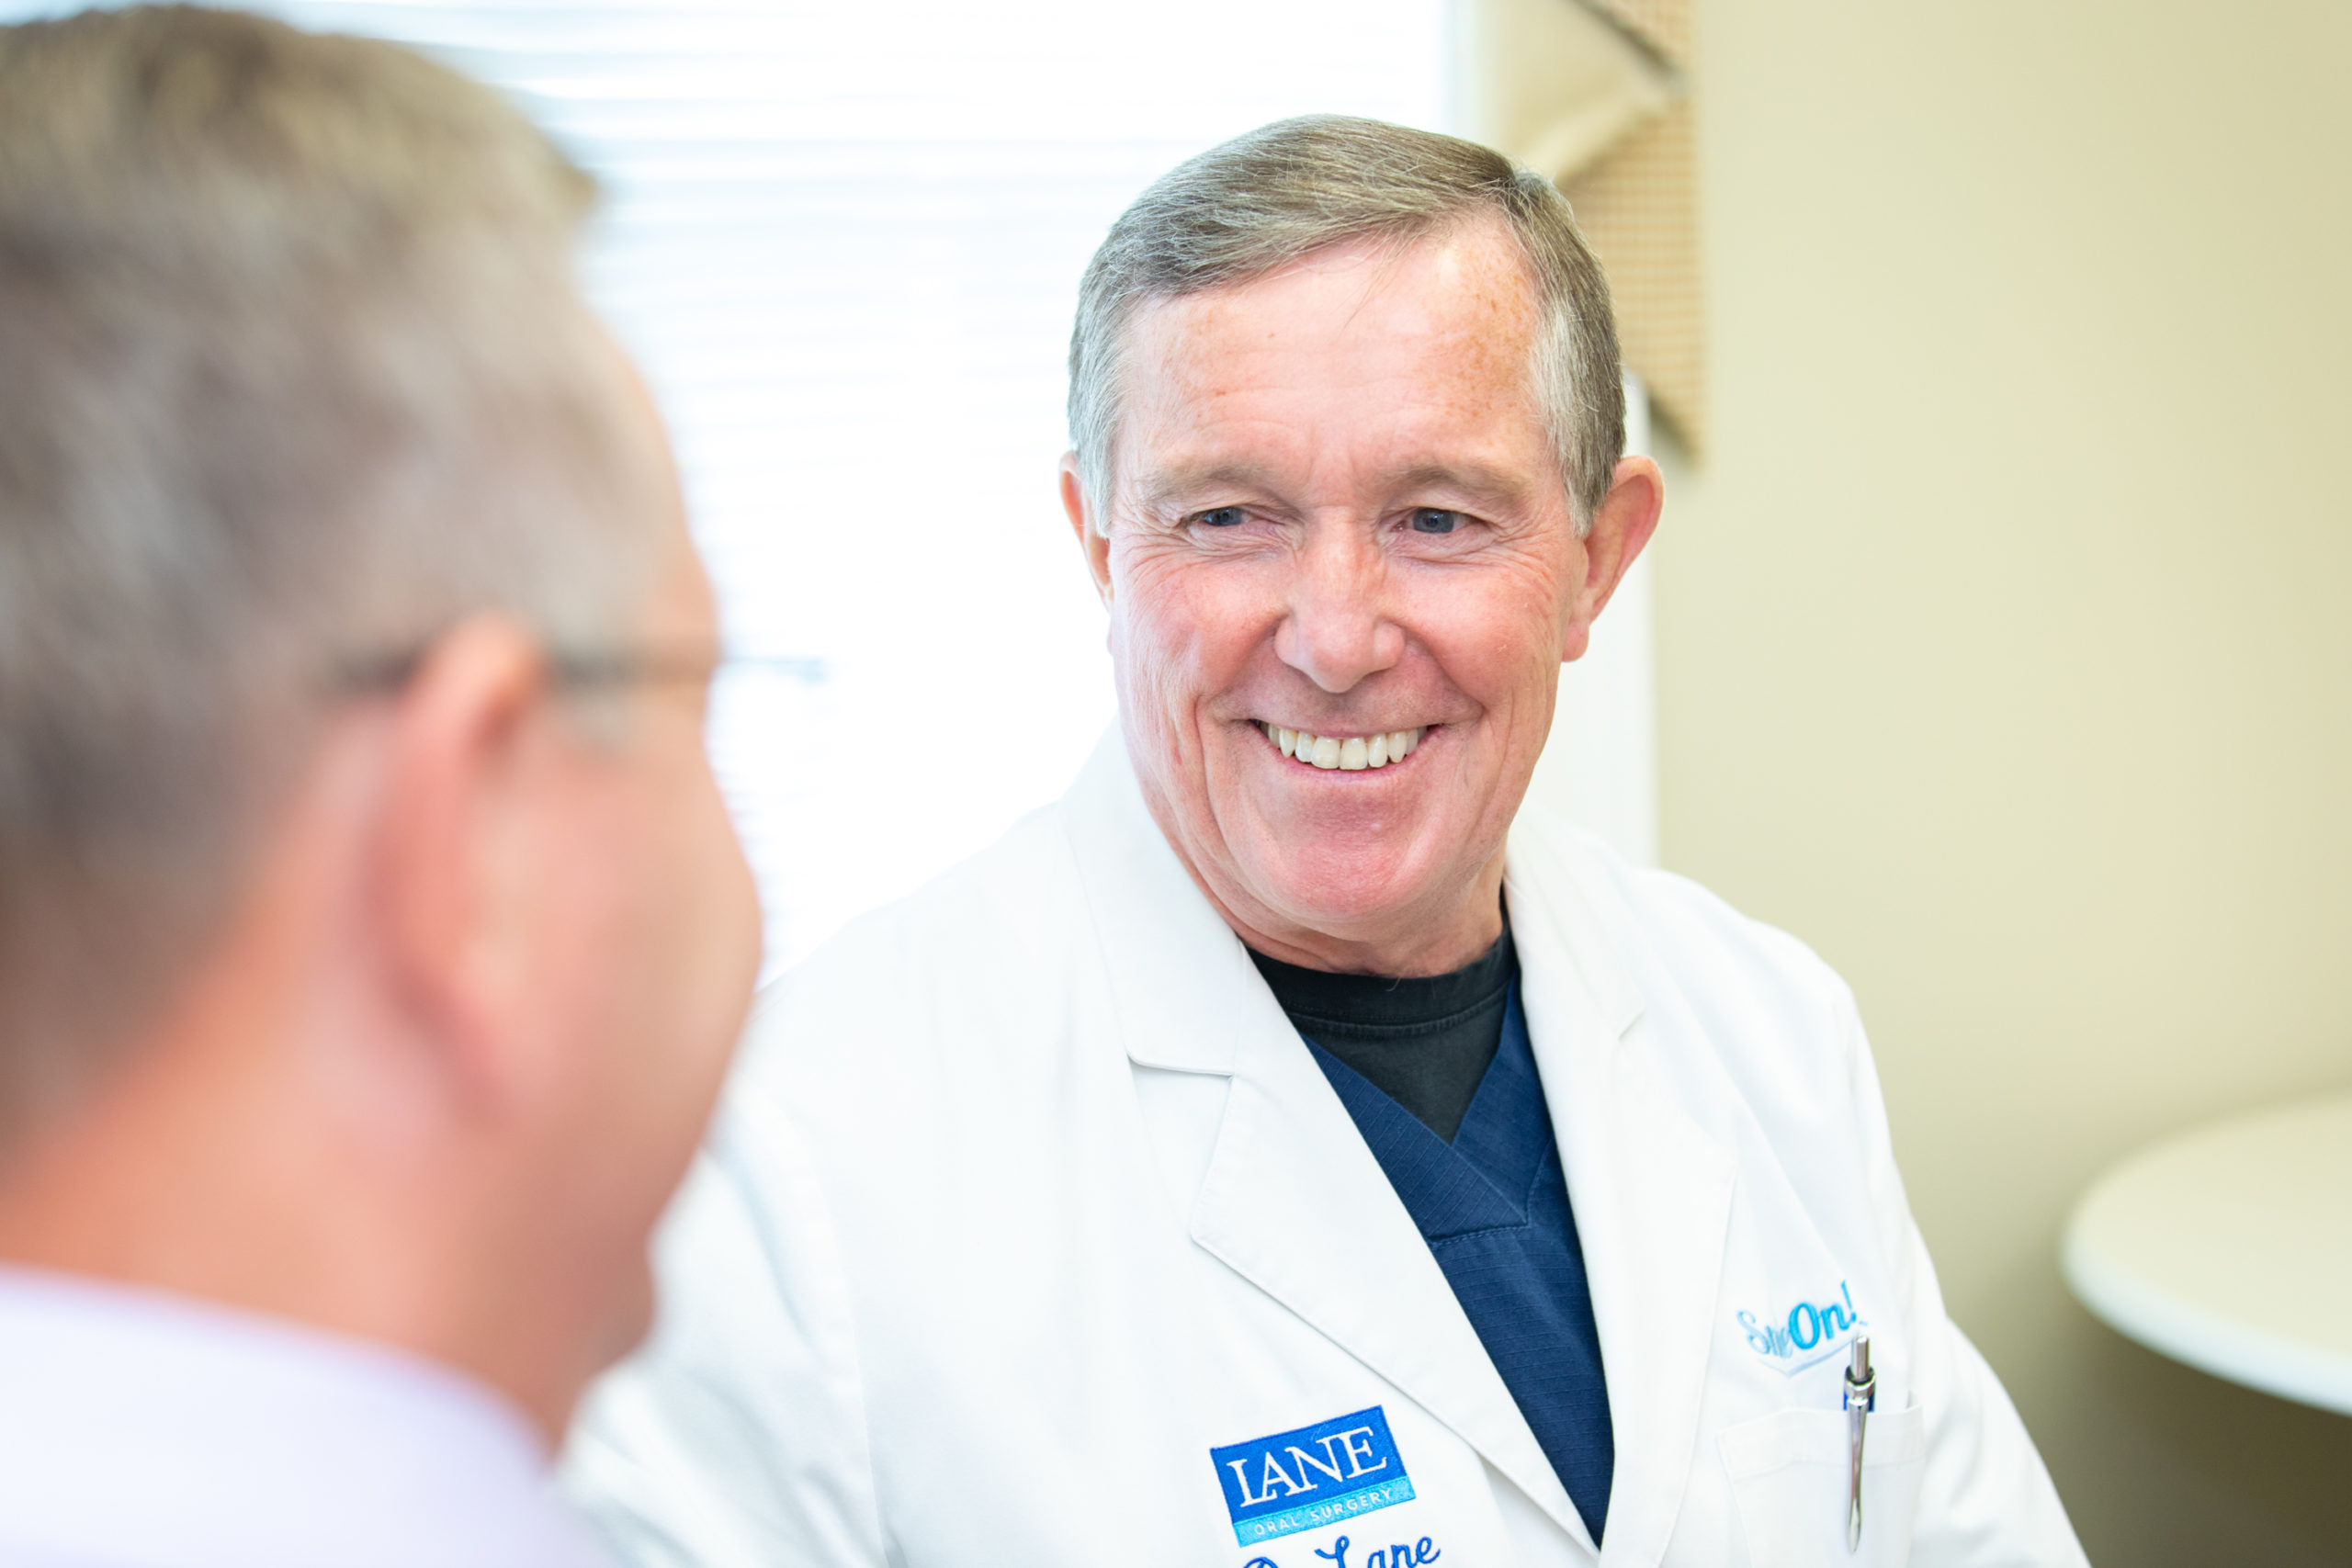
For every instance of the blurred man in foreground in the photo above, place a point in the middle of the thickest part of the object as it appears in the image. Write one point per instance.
(372, 936)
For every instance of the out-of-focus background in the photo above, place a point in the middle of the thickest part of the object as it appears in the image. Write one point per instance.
(1993, 642)
(2003, 651)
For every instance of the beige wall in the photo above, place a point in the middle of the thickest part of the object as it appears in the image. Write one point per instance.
(2006, 637)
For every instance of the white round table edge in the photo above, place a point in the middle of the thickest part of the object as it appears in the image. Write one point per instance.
(2210, 1343)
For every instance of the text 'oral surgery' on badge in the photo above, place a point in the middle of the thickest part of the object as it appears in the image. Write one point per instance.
(1315, 1475)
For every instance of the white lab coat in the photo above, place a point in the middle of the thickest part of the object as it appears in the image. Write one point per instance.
(1027, 1196)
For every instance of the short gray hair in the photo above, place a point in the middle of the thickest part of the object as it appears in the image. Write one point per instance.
(295, 375)
(1285, 191)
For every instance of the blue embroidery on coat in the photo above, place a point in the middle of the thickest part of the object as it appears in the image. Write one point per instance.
(1810, 1334)
(1314, 1475)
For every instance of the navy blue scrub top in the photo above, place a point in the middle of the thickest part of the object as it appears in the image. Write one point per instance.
(1493, 1206)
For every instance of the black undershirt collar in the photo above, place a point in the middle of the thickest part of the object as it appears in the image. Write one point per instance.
(1426, 1042)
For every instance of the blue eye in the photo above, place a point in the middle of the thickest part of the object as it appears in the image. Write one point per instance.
(1220, 516)
(1434, 520)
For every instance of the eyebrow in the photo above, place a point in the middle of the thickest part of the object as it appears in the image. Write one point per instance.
(1170, 484)
(1475, 480)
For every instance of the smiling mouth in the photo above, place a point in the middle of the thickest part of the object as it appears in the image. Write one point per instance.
(1349, 754)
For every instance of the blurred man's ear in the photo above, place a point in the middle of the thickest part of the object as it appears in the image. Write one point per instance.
(1092, 540)
(1621, 525)
(454, 852)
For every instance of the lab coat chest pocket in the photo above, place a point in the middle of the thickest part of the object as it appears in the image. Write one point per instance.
(1790, 1472)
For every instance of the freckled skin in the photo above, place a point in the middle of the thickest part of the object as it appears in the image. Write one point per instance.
(1337, 509)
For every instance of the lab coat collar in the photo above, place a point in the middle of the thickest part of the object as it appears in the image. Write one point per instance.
(1651, 1190)
(1177, 971)
(1292, 1198)
(1293, 1201)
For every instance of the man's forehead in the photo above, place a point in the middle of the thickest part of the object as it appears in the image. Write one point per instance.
(1418, 358)
(1455, 314)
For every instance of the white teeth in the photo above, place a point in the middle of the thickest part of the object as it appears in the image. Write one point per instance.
(1352, 753)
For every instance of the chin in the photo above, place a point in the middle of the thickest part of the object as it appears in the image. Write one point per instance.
(1348, 891)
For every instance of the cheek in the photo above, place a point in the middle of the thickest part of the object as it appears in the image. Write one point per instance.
(579, 910)
(671, 960)
(1498, 637)
(1182, 627)
(708, 932)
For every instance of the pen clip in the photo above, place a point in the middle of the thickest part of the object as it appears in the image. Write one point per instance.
(1861, 1398)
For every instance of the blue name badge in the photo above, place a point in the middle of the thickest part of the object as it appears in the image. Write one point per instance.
(1316, 1475)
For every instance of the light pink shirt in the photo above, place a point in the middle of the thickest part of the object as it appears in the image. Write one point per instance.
(141, 1430)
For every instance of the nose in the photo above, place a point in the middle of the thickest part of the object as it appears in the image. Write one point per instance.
(1338, 631)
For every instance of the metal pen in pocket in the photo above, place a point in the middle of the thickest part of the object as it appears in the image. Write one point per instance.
(1861, 1398)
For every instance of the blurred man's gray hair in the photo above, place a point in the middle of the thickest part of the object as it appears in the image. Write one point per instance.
(293, 374)
(1285, 191)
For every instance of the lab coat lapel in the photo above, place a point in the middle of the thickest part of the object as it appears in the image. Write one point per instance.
(1292, 1200)
(1295, 1203)
(1650, 1189)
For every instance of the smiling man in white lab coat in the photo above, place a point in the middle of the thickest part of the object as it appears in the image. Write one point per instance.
(1286, 1151)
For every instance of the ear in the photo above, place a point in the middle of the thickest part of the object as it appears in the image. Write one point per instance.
(1621, 525)
(1092, 542)
(454, 844)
